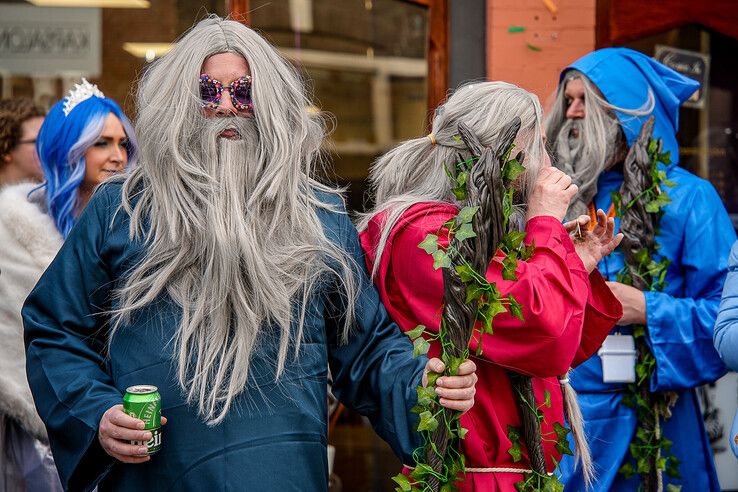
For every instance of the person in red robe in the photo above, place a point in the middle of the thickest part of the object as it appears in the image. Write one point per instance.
(567, 307)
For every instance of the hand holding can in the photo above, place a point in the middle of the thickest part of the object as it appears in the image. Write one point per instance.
(143, 402)
(126, 438)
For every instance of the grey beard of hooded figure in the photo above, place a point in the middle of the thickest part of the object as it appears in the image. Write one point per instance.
(584, 157)
(585, 148)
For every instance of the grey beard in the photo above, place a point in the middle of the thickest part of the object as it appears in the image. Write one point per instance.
(232, 163)
(584, 158)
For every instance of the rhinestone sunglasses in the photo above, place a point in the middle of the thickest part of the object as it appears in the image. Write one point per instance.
(211, 91)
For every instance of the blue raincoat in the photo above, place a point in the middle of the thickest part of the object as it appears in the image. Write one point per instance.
(274, 437)
(696, 235)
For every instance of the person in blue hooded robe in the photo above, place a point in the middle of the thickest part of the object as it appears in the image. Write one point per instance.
(601, 103)
(222, 273)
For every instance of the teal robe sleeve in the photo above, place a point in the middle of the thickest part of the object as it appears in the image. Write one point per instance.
(374, 372)
(67, 370)
(680, 328)
(726, 326)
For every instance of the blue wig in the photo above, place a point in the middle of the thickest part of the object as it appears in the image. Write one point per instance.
(62, 143)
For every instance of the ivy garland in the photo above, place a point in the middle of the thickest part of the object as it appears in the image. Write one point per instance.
(489, 303)
(650, 450)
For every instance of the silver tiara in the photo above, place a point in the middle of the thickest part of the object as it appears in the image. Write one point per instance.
(81, 92)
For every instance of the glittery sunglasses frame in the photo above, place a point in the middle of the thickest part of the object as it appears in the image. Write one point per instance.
(219, 88)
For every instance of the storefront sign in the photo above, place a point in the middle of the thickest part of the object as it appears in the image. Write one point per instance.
(38, 41)
(692, 64)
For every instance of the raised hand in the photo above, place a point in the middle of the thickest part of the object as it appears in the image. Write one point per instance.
(551, 194)
(592, 246)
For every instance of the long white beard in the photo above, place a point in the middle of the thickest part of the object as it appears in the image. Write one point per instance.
(228, 289)
(584, 157)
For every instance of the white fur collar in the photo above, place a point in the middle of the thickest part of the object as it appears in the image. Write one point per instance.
(28, 223)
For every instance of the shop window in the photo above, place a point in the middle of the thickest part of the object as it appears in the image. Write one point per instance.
(708, 131)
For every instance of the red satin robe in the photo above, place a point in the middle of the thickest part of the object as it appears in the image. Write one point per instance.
(567, 315)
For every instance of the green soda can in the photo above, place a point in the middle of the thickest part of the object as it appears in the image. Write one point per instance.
(144, 402)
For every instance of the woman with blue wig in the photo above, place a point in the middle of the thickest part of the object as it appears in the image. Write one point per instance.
(84, 140)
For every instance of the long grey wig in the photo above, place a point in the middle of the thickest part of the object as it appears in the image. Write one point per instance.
(585, 148)
(415, 172)
(238, 246)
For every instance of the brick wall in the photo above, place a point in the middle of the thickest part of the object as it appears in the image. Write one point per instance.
(561, 39)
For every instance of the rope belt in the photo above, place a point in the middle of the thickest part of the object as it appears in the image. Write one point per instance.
(490, 470)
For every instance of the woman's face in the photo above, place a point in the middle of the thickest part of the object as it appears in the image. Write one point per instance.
(108, 155)
(23, 157)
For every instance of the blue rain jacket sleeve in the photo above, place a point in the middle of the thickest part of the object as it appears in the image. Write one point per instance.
(726, 326)
(374, 373)
(68, 375)
(680, 328)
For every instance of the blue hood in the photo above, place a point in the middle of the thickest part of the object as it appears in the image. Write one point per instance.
(624, 76)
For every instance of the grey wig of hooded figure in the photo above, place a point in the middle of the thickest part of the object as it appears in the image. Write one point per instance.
(585, 148)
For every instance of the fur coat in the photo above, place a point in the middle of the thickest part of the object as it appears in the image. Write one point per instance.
(29, 240)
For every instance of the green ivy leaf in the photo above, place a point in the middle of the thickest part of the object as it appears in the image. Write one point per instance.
(427, 422)
(403, 482)
(418, 409)
(672, 468)
(466, 215)
(665, 158)
(652, 146)
(421, 471)
(463, 432)
(449, 487)
(465, 232)
(420, 346)
(512, 240)
(642, 256)
(512, 169)
(670, 487)
(461, 179)
(628, 470)
(433, 377)
(486, 329)
(473, 293)
(509, 266)
(429, 244)
(516, 309)
(513, 433)
(547, 398)
(441, 260)
(562, 443)
(652, 207)
(639, 331)
(642, 434)
(552, 484)
(426, 395)
(661, 463)
(452, 365)
(669, 183)
(526, 253)
(515, 452)
(466, 273)
(415, 332)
